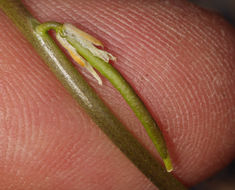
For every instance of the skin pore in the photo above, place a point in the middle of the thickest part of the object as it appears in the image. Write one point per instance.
(177, 57)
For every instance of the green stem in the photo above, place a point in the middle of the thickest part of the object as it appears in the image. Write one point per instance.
(131, 98)
(44, 28)
(87, 98)
(122, 86)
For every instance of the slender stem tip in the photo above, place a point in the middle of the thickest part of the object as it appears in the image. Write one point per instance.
(168, 164)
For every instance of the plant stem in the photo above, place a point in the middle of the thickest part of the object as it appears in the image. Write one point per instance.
(87, 98)
(132, 99)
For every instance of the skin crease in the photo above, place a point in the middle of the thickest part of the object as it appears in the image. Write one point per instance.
(179, 59)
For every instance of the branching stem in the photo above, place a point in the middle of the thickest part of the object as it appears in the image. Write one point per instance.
(86, 97)
(109, 72)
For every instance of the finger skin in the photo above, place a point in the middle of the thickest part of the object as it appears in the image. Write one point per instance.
(179, 59)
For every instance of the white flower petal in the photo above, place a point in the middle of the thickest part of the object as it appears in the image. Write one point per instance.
(77, 34)
(77, 58)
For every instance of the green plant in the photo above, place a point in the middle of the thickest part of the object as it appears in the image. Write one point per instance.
(86, 97)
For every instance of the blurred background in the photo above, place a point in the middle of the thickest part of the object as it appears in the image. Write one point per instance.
(225, 179)
(224, 7)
